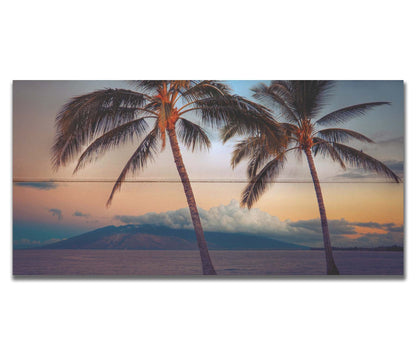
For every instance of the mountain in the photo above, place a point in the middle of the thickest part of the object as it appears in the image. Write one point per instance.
(152, 237)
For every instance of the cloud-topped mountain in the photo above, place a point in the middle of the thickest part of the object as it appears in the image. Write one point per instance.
(151, 237)
(232, 218)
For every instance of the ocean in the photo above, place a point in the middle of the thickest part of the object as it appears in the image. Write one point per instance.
(187, 263)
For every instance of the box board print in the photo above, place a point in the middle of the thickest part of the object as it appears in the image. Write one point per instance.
(228, 178)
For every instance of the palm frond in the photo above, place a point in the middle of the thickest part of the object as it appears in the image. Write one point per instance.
(178, 85)
(257, 159)
(192, 135)
(230, 130)
(359, 159)
(244, 116)
(309, 97)
(65, 147)
(289, 130)
(345, 114)
(87, 116)
(204, 89)
(153, 106)
(101, 110)
(246, 149)
(277, 98)
(342, 135)
(146, 151)
(258, 184)
(275, 131)
(284, 89)
(149, 86)
(320, 146)
(111, 139)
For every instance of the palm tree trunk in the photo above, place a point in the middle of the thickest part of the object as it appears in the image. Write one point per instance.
(207, 267)
(331, 268)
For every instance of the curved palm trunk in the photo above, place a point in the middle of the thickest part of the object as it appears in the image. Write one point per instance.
(207, 267)
(331, 268)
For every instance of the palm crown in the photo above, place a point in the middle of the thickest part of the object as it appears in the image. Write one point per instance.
(299, 127)
(107, 118)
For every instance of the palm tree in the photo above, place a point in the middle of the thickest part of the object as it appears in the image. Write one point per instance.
(298, 104)
(105, 119)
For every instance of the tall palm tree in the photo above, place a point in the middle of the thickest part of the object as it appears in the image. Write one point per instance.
(105, 119)
(299, 128)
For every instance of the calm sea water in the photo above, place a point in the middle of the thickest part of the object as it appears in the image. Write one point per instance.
(184, 263)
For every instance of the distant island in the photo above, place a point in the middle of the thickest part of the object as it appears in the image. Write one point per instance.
(153, 237)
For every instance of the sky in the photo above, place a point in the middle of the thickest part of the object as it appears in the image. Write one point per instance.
(363, 209)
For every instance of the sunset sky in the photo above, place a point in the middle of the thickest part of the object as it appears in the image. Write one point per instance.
(363, 209)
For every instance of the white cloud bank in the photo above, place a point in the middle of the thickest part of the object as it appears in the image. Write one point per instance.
(232, 218)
